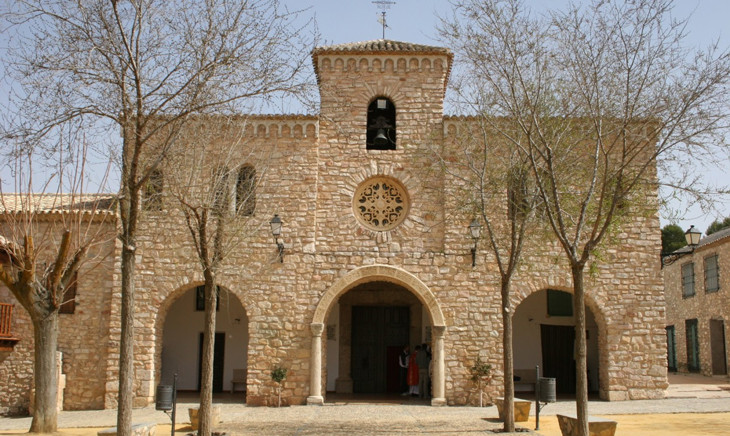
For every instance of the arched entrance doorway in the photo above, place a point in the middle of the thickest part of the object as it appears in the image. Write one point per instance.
(372, 311)
(366, 332)
(544, 335)
(182, 340)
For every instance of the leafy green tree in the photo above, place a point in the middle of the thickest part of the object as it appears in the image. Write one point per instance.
(672, 238)
(716, 226)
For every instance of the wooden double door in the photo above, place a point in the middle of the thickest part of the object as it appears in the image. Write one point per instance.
(219, 353)
(379, 334)
(558, 359)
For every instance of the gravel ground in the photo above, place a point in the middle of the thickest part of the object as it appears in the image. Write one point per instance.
(694, 406)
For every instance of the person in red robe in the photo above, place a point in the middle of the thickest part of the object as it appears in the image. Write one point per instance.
(413, 372)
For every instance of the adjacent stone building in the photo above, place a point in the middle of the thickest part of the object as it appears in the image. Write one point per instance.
(375, 256)
(697, 286)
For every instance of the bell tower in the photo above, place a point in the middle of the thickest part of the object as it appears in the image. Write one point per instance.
(381, 111)
(382, 94)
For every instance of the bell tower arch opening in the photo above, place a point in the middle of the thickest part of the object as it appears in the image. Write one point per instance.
(381, 128)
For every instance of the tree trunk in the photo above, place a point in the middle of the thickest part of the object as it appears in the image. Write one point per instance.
(206, 375)
(45, 411)
(126, 347)
(508, 361)
(581, 376)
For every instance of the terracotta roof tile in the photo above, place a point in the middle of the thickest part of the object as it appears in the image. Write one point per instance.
(54, 203)
(720, 234)
(380, 45)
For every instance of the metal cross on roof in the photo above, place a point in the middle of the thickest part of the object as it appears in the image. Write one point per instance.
(383, 5)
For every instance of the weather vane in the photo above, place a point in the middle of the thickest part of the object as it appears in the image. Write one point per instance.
(383, 5)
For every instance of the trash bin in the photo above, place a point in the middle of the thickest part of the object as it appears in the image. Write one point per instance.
(163, 399)
(547, 389)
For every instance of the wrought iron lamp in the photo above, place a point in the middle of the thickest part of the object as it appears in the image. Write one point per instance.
(276, 224)
(692, 236)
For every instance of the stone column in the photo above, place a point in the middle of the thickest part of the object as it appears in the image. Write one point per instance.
(315, 366)
(439, 374)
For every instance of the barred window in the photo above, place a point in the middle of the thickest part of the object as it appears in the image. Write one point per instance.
(152, 192)
(246, 191)
(68, 300)
(712, 274)
(221, 191)
(688, 280)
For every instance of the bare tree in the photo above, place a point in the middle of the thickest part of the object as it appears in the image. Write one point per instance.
(44, 241)
(597, 95)
(495, 185)
(212, 176)
(142, 68)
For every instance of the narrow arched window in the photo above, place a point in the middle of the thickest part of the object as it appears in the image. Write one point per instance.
(153, 191)
(381, 125)
(246, 191)
(221, 191)
(517, 194)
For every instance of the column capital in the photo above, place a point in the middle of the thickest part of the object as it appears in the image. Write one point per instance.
(317, 328)
(438, 330)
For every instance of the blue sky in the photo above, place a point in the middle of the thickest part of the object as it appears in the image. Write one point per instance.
(415, 20)
(342, 21)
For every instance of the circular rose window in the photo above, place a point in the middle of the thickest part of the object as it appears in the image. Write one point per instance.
(380, 203)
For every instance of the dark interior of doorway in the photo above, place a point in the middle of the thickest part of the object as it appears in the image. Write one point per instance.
(557, 356)
(378, 336)
(717, 347)
(219, 348)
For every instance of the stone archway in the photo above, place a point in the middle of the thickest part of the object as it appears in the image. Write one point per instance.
(179, 325)
(538, 319)
(382, 273)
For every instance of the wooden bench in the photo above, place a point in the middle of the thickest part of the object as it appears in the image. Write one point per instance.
(597, 426)
(239, 378)
(527, 380)
(146, 429)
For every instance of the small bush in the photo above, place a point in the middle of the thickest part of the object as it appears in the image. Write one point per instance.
(278, 374)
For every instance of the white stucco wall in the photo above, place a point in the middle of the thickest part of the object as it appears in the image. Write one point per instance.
(183, 326)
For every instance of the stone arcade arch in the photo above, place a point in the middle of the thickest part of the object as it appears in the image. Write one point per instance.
(179, 325)
(382, 273)
(531, 313)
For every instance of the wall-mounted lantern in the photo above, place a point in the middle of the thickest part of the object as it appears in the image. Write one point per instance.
(276, 224)
(692, 236)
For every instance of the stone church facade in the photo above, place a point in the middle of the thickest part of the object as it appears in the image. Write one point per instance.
(375, 256)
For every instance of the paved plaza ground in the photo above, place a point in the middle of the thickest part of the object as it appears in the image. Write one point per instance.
(694, 406)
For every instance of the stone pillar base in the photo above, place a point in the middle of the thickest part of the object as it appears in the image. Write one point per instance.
(438, 402)
(315, 400)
